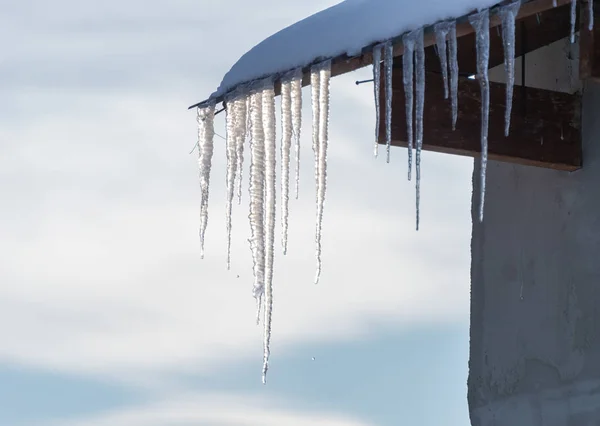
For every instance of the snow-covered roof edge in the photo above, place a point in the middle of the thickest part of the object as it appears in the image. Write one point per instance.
(344, 63)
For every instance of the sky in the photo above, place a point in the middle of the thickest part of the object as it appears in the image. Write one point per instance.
(108, 316)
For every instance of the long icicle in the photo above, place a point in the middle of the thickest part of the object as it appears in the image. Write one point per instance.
(453, 60)
(408, 41)
(206, 133)
(481, 23)
(420, 106)
(231, 152)
(242, 122)
(297, 120)
(324, 80)
(573, 19)
(508, 15)
(286, 143)
(388, 61)
(441, 34)
(270, 188)
(315, 83)
(590, 11)
(376, 90)
(256, 191)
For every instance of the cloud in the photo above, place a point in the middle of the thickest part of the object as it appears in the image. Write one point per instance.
(101, 271)
(216, 410)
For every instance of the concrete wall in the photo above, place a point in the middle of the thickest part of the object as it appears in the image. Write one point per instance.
(535, 297)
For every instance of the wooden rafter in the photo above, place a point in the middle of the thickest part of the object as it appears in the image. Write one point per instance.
(343, 64)
(548, 136)
(532, 32)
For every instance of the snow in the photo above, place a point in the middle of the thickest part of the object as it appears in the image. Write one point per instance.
(344, 28)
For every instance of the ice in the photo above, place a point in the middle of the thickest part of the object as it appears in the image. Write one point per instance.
(286, 144)
(315, 83)
(256, 191)
(231, 151)
(508, 15)
(590, 5)
(270, 188)
(441, 34)
(388, 64)
(376, 89)
(554, 3)
(419, 109)
(206, 133)
(324, 80)
(453, 59)
(408, 41)
(573, 19)
(297, 120)
(481, 23)
(242, 108)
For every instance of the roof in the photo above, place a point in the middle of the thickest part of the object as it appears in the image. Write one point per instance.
(341, 29)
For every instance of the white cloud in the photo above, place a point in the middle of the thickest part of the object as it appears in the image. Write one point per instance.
(101, 270)
(215, 410)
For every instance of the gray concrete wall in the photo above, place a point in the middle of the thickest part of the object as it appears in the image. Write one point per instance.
(535, 297)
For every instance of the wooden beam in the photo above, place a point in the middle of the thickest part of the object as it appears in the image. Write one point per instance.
(589, 45)
(549, 136)
(344, 64)
(540, 29)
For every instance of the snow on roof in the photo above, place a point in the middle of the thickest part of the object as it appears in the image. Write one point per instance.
(341, 29)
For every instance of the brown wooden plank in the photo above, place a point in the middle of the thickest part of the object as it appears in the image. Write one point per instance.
(589, 45)
(549, 136)
(343, 64)
(540, 30)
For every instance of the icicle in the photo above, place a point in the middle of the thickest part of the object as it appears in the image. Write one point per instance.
(590, 5)
(376, 89)
(315, 82)
(286, 143)
(508, 15)
(554, 3)
(481, 23)
(441, 34)
(453, 59)
(324, 79)
(270, 184)
(256, 191)
(420, 106)
(231, 152)
(206, 133)
(573, 19)
(242, 123)
(388, 63)
(408, 41)
(297, 120)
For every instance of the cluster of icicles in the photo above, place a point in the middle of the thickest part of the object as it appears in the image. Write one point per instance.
(251, 117)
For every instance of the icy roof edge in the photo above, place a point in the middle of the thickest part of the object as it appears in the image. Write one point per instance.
(342, 64)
